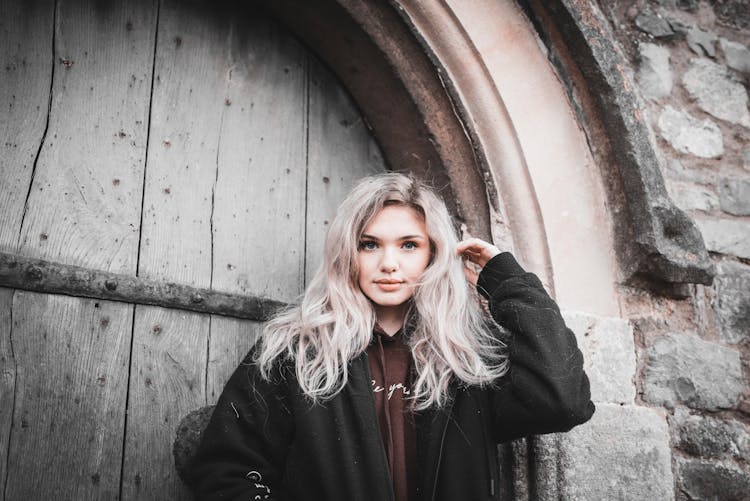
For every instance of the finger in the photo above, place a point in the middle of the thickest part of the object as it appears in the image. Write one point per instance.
(473, 244)
(477, 250)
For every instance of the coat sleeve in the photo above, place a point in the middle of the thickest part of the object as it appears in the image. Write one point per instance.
(546, 389)
(243, 449)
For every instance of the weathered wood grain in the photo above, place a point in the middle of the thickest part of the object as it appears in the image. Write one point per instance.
(85, 202)
(83, 209)
(26, 30)
(259, 203)
(38, 275)
(71, 373)
(226, 206)
(169, 348)
(341, 151)
(7, 381)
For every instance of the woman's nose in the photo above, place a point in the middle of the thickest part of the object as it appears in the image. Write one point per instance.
(388, 263)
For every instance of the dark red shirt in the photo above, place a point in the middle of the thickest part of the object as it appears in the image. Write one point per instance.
(391, 368)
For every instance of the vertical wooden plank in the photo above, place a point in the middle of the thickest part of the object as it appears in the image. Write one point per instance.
(71, 382)
(26, 30)
(169, 347)
(7, 382)
(341, 151)
(85, 202)
(260, 188)
(84, 208)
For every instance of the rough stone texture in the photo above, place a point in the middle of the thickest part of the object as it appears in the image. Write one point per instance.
(187, 440)
(690, 135)
(688, 5)
(677, 24)
(732, 301)
(707, 437)
(716, 92)
(713, 447)
(734, 195)
(654, 73)
(659, 245)
(737, 55)
(726, 236)
(702, 42)
(733, 12)
(652, 23)
(622, 453)
(609, 354)
(700, 479)
(684, 368)
(676, 171)
(690, 197)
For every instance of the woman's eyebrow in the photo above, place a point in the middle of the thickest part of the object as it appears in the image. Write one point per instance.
(405, 237)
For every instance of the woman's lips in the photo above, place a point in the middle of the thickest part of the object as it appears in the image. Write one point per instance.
(388, 284)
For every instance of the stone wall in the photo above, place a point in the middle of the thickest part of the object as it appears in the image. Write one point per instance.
(691, 61)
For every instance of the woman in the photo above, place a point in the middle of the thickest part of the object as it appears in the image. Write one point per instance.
(388, 381)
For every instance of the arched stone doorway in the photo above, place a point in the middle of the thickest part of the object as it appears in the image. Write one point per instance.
(428, 81)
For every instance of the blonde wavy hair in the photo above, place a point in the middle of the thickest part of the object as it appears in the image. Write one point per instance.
(448, 333)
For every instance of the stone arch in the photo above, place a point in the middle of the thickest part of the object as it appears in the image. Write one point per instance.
(446, 116)
(586, 215)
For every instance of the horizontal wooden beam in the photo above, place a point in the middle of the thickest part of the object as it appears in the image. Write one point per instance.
(18, 272)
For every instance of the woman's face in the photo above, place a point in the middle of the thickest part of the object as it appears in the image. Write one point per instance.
(394, 251)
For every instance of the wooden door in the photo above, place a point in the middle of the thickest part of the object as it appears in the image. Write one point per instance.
(192, 143)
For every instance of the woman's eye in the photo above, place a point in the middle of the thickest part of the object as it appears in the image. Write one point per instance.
(368, 245)
(409, 245)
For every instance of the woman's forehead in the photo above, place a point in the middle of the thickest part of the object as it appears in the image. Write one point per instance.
(396, 221)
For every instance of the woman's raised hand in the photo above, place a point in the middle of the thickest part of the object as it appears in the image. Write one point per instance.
(475, 252)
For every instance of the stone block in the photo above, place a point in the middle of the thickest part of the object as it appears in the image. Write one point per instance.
(712, 480)
(725, 236)
(734, 195)
(654, 72)
(732, 301)
(732, 12)
(702, 42)
(687, 134)
(737, 56)
(677, 24)
(676, 171)
(684, 368)
(688, 5)
(187, 439)
(716, 92)
(622, 453)
(654, 24)
(708, 437)
(688, 196)
(609, 355)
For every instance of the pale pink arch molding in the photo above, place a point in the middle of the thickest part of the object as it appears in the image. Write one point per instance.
(535, 150)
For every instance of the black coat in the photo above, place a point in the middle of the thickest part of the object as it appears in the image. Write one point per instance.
(266, 441)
